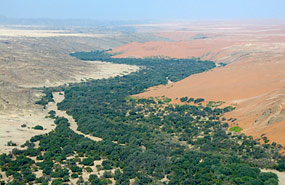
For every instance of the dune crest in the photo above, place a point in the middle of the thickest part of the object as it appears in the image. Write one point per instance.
(253, 80)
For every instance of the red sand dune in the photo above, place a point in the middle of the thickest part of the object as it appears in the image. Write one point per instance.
(254, 80)
(249, 83)
(181, 49)
(235, 82)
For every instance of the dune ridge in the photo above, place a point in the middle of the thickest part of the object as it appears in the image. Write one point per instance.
(253, 80)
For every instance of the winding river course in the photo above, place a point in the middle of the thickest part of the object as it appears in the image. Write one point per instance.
(59, 97)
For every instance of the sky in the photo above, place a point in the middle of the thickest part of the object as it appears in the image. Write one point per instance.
(144, 9)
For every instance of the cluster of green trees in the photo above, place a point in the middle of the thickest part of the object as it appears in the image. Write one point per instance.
(48, 97)
(143, 139)
(189, 100)
(173, 69)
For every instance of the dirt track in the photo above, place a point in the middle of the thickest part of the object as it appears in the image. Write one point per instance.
(281, 175)
(59, 97)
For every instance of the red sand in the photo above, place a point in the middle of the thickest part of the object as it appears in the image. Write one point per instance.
(254, 79)
(181, 49)
(235, 82)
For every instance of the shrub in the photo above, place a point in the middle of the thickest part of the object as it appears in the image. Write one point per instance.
(236, 129)
(167, 100)
(38, 127)
(107, 164)
(107, 174)
(184, 99)
(74, 175)
(198, 100)
(88, 169)
(87, 162)
(11, 143)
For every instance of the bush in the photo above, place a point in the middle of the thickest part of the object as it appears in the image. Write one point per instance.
(271, 182)
(75, 169)
(281, 166)
(74, 175)
(236, 129)
(190, 100)
(184, 99)
(199, 100)
(167, 100)
(88, 169)
(56, 182)
(52, 113)
(107, 165)
(93, 179)
(107, 174)
(87, 162)
(38, 127)
(11, 143)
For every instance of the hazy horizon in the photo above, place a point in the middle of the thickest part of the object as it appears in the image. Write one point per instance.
(145, 10)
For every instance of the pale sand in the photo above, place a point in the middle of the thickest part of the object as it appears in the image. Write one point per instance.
(10, 32)
(59, 97)
(31, 114)
(11, 130)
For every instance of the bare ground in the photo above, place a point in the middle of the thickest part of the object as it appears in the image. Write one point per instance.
(253, 79)
(59, 97)
(35, 60)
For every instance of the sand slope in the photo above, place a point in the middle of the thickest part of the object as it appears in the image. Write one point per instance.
(254, 78)
(37, 58)
(255, 86)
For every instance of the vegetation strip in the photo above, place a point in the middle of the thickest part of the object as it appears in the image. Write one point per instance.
(155, 142)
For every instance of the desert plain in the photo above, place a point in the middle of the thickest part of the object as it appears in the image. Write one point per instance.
(253, 79)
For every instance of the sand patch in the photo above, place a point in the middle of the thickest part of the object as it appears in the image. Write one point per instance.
(59, 97)
(18, 108)
(12, 32)
(253, 79)
(11, 128)
(27, 62)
